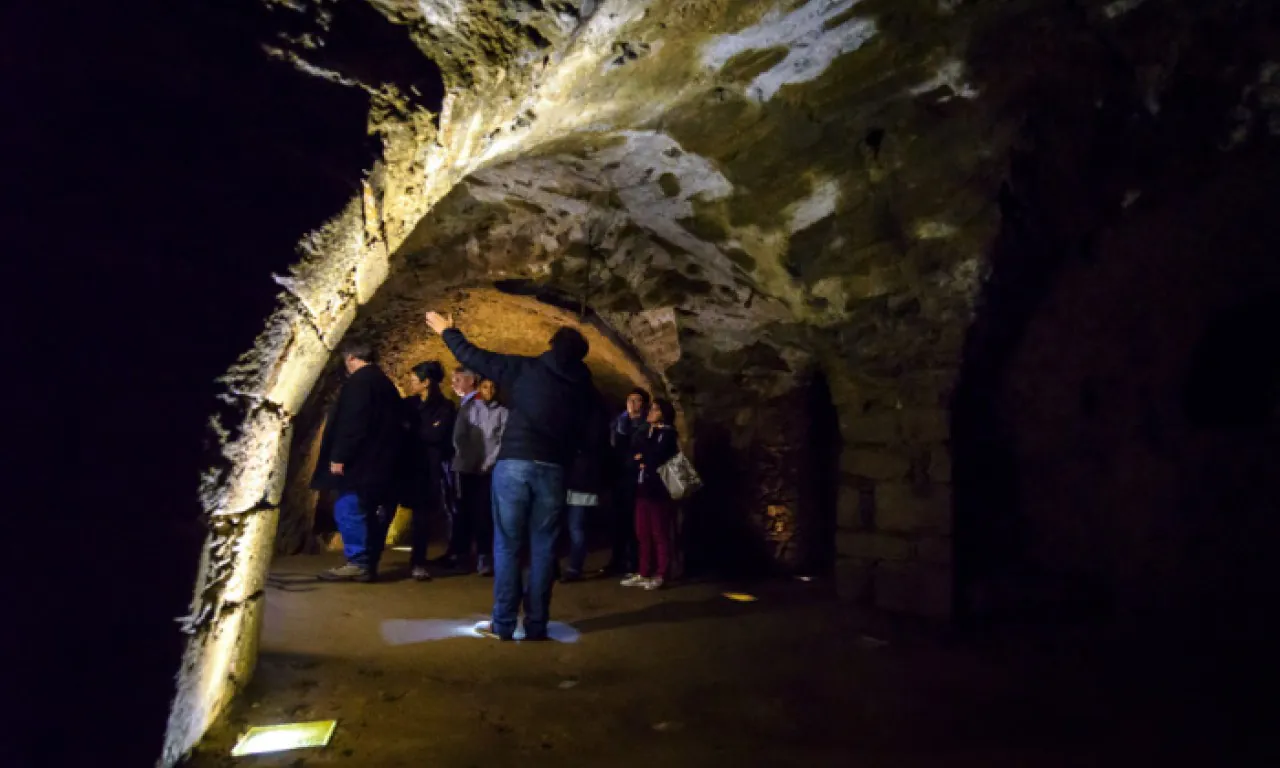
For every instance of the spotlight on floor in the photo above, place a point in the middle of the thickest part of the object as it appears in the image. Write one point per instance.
(740, 597)
(409, 631)
(278, 738)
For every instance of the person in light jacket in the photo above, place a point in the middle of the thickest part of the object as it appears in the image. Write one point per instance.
(655, 511)
(477, 436)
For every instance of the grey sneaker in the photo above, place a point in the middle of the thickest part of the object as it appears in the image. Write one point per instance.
(420, 573)
(634, 580)
(345, 572)
(652, 584)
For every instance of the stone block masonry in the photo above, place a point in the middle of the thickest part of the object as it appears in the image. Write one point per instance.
(893, 510)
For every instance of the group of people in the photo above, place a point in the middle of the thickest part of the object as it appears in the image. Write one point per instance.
(506, 475)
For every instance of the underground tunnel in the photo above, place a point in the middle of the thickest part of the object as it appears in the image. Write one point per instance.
(941, 292)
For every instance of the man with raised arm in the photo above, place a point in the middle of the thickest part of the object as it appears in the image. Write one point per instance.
(547, 397)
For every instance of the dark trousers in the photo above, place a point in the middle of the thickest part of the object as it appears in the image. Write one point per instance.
(625, 545)
(473, 522)
(438, 497)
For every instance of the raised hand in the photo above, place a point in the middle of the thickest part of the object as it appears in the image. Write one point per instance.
(438, 322)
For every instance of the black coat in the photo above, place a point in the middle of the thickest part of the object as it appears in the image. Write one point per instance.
(586, 471)
(657, 447)
(428, 446)
(363, 433)
(625, 438)
(548, 399)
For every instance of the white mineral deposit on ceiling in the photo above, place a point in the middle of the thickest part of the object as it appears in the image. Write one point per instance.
(812, 46)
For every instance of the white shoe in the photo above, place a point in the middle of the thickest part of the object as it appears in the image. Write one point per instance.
(634, 580)
(654, 583)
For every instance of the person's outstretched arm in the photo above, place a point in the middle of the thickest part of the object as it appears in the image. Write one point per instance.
(491, 365)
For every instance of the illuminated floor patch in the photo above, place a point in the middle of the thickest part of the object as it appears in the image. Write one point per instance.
(740, 597)
(278, 738)
(409, 631)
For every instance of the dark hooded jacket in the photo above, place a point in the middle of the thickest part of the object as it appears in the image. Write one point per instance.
(586, 472)
(547, 396)
(428, 447)
(364, 433)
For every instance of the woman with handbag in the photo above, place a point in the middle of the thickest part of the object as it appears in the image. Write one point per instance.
(655, 511)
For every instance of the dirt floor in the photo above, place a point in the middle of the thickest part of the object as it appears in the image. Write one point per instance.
(679, 677)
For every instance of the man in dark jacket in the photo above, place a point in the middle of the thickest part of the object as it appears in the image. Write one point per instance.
(546, 396)
(626, 432)
(358, 459)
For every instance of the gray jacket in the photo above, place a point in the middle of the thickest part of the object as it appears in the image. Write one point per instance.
(477, 435)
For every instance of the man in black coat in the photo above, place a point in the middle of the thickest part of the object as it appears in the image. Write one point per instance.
(547, 397)
(358, 459)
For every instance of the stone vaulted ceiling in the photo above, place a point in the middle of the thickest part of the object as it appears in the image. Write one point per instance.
(746, 192)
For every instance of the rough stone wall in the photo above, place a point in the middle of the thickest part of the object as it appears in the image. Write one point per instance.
(788, 188)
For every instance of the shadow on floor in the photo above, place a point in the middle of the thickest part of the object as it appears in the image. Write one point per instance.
(677, 612)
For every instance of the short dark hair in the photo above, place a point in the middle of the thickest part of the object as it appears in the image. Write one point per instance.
(668, 410)
(359, 348)
(568, 344)
(642, 392)
(430, 370)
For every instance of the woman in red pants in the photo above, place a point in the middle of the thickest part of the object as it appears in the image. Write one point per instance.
(655, 511)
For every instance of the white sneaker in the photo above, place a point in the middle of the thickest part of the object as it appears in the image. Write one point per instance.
(634, 580)
(654, 583)
(420, 573)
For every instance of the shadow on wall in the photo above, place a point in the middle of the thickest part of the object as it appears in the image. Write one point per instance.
(1098, 471)
(1117, 420)
(719, 536)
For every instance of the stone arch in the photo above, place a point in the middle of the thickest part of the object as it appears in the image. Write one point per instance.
(745, 196)
(491, 318)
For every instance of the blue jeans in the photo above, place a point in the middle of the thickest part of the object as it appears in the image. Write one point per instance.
(528, 498)
(577, 540)
(363, 524)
